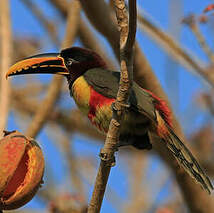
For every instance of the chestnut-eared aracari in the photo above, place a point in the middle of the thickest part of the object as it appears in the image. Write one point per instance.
(94, 89)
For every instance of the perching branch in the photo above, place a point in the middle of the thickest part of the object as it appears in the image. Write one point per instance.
(110, 146)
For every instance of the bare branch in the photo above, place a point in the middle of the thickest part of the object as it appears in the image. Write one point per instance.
(62, 5)
(89, 40)
(55, 87)
(170, 44)
(175, 50)
(72, 24)
(110, 146)
(45, 108)
(62, 139)
(192, 24)
(100, 9)
(48, 25)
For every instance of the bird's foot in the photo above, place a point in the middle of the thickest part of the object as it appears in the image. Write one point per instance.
(119, 106)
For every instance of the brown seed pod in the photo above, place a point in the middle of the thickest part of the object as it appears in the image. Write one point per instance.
(21, 170)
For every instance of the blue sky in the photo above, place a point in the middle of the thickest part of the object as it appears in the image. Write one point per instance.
(188, 85)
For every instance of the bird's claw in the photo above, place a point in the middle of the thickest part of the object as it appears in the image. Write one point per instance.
(115, 108)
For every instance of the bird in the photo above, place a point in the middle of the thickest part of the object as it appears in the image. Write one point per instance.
(94, 90)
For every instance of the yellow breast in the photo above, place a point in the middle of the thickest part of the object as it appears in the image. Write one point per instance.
(81, 94)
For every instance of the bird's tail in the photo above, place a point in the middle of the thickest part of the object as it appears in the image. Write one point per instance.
(187, 160)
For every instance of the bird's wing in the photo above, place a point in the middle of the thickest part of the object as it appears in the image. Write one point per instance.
(103, 81)
(106, 83)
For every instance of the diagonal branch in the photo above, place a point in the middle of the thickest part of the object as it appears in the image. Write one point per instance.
(175, 50)
(48, 25)
(90, 40)
(55, 87)
(192, 24)
(110, 146)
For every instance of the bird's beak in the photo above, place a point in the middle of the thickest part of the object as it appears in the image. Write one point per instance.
(51, 63)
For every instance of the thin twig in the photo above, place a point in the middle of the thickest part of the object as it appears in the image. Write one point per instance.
(55, 87)
(175, 50)
(169, 44)
(45, 108)
(62, 139)
(31, 44)
(90, 40)
(61, 5)
(203, 43)
(192, 24)
(110, 146)
(95, 11)
(5, 54)
(138, 193)
(72, 23)
(47, 24)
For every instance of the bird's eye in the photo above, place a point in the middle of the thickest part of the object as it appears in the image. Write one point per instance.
(69, 62)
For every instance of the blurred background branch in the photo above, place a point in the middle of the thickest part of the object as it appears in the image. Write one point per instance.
(5, 54)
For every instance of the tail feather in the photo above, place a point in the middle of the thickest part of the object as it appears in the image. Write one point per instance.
(187, 160)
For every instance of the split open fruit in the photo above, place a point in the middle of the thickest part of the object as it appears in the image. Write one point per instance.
(21, 170)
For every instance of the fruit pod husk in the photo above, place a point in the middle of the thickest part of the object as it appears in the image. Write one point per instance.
(21, 170)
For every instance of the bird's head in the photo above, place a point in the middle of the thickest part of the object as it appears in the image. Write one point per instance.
(71, 62)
